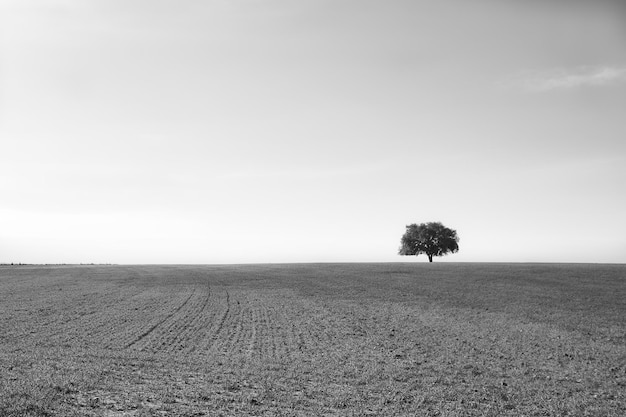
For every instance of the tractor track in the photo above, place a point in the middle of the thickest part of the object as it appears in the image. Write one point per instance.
(153, 327)
(220, 325)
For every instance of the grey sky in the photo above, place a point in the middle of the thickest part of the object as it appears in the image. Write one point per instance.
(269, 131)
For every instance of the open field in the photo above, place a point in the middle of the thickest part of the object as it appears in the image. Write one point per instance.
(326, 339)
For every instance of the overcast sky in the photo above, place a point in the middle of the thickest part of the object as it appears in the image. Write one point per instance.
(227, 131)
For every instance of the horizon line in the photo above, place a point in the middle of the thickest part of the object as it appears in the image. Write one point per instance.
(5, 264)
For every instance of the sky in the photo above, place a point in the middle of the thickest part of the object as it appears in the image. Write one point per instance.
(244, 131)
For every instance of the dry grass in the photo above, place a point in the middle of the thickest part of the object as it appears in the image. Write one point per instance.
(299, 340)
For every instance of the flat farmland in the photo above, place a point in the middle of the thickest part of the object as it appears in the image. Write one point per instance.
(313, 339)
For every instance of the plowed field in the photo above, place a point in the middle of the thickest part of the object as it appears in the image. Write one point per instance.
(328, 339)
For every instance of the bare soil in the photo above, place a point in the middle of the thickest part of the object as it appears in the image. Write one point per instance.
(313, 339)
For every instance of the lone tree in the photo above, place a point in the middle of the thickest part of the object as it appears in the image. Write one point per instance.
(433, 239)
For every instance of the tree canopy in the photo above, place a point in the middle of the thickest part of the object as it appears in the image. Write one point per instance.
(433, 239)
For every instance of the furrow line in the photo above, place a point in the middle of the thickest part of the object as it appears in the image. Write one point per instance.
(152, 328)
(188, 325)
(178, 326)
(203, 319)
(120, 327)
(110, 329)
(221, 322)
(273, 330)
(253, 335)
(236, 328)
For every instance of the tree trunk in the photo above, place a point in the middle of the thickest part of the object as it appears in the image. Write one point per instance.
(430, 258)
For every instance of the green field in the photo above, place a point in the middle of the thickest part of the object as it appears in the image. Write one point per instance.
(313, 339)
